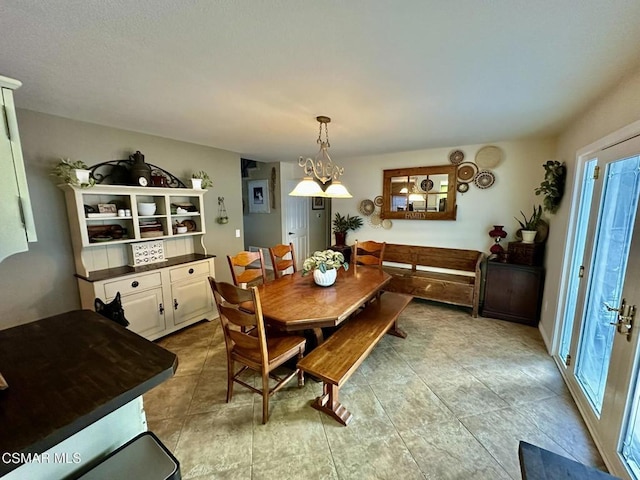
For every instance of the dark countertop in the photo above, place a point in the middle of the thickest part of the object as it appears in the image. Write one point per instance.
(106, 274)
(67, 371)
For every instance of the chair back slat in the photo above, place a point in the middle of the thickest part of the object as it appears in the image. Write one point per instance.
(247, 267)
(281, 264)
(369, 253)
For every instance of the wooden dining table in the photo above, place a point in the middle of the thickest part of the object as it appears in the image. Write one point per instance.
(294, 302)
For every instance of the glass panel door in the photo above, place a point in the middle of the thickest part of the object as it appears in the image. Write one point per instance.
(611, 249)
(603, 378)
(577, 268)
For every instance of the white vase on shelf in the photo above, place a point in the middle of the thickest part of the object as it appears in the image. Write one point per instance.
(196, 183)
(325, 279)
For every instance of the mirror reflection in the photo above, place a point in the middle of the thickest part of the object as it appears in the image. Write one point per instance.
(420, 193)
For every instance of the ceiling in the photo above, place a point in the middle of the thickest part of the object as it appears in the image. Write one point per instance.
(250, 76)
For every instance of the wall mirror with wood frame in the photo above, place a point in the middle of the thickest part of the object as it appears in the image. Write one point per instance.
(420, 193)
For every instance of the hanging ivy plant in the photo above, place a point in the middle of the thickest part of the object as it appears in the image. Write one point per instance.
(555, 175)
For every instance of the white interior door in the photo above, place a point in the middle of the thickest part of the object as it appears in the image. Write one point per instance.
(297, 225)
(602, 343)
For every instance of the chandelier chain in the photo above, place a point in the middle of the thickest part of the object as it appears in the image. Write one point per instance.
(326, 134)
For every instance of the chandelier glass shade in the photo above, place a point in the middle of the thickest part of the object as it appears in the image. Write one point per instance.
(321, 169)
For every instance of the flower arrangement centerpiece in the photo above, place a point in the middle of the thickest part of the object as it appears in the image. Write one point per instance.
(325, 265)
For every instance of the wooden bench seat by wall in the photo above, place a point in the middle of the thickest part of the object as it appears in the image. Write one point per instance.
(335, 360)
(451, 286)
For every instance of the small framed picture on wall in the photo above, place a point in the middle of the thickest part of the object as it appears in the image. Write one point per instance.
(259, 196)
(317, 203)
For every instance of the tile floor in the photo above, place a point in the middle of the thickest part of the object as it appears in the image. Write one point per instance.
(451, 401)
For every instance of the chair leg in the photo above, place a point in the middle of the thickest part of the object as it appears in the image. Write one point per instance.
(230, 375)
(300, 372)
(265, 397)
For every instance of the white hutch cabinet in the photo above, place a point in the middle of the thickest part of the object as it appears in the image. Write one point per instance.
(16, 215)
(158, 297)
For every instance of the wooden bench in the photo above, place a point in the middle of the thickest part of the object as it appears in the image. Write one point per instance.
(458, 284)
(335, 360)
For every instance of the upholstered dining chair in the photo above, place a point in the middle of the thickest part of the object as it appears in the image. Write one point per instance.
(252, 349)
(368, 253)
(243, 268)
(281, 264)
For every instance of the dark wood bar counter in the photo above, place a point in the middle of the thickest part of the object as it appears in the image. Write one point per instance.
(68, 371)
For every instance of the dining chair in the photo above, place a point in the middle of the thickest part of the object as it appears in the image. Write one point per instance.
(243, 268)
(252, 349)
(281, 264)
(368, 253)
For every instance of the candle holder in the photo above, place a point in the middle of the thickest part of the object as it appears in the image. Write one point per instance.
(497, 234)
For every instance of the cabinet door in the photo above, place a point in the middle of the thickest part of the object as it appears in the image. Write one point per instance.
(145, 312)
(192, 300)
(16, 216)
(512, 292)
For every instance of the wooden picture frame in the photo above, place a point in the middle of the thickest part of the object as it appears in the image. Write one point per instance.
(317, 203)
(259, 196)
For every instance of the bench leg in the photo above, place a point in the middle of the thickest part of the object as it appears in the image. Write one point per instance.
(397, 331)
(328, 403)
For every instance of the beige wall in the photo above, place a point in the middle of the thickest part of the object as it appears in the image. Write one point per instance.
(478, 210)
(618, 108)
(40, 282)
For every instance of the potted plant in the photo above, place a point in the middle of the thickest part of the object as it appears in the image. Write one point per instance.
(325, 265)
(200, 180)
(529, 225)
(555, 174)
(73, 173)
(341, 225)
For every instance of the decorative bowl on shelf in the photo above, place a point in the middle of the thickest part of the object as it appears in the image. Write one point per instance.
(145, 209)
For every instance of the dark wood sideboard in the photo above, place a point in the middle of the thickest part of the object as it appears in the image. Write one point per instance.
(513, 292)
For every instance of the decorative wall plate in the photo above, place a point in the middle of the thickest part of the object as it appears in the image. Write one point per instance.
(488, 157)
(456, 157)
(462, 187)
(375, 220)
(190, 224)
(426, 184)
(484, 179)
(466, 171)
(367, 207)
(387, 224)
(378, 201)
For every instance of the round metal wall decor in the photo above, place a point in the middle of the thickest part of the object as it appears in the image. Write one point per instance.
(462, 187)
(484, 179)
(456, 157)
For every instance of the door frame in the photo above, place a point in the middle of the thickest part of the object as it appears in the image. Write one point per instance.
(582, 156)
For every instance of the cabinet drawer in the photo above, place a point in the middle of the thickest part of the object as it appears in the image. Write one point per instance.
(132, 284)
(188, 271)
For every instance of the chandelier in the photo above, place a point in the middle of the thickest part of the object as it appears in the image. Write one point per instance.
(323, 169)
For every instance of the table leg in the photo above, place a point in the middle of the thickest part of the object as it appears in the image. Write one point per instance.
(319, 335)
(328, 403)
